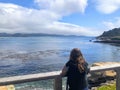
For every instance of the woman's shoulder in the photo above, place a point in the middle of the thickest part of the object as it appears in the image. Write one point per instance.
(67, 64)
(70, 63)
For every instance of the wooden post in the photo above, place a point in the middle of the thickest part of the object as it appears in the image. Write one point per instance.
(118, 79)
(58, 83)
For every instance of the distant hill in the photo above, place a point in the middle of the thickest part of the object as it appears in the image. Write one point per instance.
(23, 34)
(111, 36)
(29, 35)
(111, 33)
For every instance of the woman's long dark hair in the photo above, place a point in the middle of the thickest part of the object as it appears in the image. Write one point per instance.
(74, 55)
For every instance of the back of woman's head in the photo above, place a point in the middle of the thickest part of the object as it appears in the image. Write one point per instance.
(77, 57)
(75, 53)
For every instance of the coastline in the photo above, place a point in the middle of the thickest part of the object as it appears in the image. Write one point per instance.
(102, 78)
(108, 41)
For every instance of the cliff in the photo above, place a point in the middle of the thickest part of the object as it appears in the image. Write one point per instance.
(111, 36)
(111, 33)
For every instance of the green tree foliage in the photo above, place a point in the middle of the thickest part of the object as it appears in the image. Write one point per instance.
(108, 87)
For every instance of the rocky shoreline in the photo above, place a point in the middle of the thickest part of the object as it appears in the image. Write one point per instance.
(108, 41)
(111, 36)
(102, 78)
(104, 40)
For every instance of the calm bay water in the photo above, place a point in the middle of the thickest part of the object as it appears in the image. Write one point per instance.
(25, 55)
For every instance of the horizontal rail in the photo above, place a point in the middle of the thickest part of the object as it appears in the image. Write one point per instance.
(28, 78)
(105, 67)
(47, 75)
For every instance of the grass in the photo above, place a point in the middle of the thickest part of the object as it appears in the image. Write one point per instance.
(107, 87)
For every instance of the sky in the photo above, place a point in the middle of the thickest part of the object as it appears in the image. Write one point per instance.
(63, 17)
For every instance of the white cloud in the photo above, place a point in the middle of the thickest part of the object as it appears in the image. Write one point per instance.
(63, 7)
(108, 25)
(115, 23)
(16, 18)
(107, 6)
(71, 29)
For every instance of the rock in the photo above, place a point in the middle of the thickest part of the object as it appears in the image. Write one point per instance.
(94, 88)
(105, 63)
(97, 78)
(109, 73)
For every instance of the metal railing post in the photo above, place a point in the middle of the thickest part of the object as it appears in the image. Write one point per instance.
(58, 83)
(118, 79)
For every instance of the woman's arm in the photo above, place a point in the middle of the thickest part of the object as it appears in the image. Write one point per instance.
(64, 71)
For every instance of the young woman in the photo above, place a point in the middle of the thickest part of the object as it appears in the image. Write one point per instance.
(76, 70)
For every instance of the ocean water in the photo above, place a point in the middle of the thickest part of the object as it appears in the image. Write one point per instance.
(27, 55)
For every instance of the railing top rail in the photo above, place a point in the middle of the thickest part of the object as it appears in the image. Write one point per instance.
(105, 67)
(47, 75)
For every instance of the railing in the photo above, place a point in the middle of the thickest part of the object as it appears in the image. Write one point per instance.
(56, 76)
